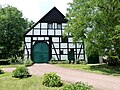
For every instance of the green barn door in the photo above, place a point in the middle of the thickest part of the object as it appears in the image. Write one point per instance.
(41, 53)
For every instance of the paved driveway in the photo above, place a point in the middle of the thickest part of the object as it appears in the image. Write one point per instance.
(99, 82)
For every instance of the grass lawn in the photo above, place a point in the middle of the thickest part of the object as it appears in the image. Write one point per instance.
(100, 69)
(31, 83)
(10, 66)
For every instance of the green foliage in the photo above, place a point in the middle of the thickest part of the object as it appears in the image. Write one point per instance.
(17, 60)
(31, 83)
(83, 62)
(53, 61)
(1, 71)
(97, 22)
(59, 62)
(20, 60)
(4, 62)
(77, 86)
(12, 60)
(113, 61)
(51, 80)
(12, 29)
(63, 62)
(20, 72)
(28, 62)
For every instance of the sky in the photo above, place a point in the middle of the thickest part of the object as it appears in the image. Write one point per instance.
(36, 9)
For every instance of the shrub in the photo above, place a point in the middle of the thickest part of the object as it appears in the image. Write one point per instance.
(4, 62)
(59, 62)
(17, 60)
(77, 86)
(53, 62)
(1, 71)
(113, 60)
(20, 72)
(51, 80)
(12, 60)
(64, 62)
(28, 62)
(81, 62)
(20, 60)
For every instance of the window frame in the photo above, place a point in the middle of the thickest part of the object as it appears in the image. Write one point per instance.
(59, 25)
(50, 25)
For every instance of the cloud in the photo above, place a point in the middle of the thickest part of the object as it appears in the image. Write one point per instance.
(35, 9)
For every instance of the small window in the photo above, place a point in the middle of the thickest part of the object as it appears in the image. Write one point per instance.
(50, 25)
(64, 39)
(59, 25)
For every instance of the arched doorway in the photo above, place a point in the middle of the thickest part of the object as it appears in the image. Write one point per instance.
(40, 52)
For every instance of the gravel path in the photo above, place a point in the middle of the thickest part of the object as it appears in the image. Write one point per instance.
(99, 82)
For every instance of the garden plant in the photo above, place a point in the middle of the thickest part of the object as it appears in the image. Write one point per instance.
(21, 72)
(51, 80)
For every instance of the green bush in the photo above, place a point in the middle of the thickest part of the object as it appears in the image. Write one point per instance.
(20, 72)
(51, 80)
(59, 62)
(4, 62)
(81, 62)
(17, 60)
(1, 71)
(28, 62)
(53, 61)
(113, 60)
(63, 62)
(12, 60)
(20, 60)
(77, 86)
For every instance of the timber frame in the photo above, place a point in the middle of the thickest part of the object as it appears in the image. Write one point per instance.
(50, 29)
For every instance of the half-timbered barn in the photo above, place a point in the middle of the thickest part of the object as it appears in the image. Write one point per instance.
(45, 40)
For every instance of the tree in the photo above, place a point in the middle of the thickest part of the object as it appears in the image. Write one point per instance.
(12, 28)
(97, 22)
